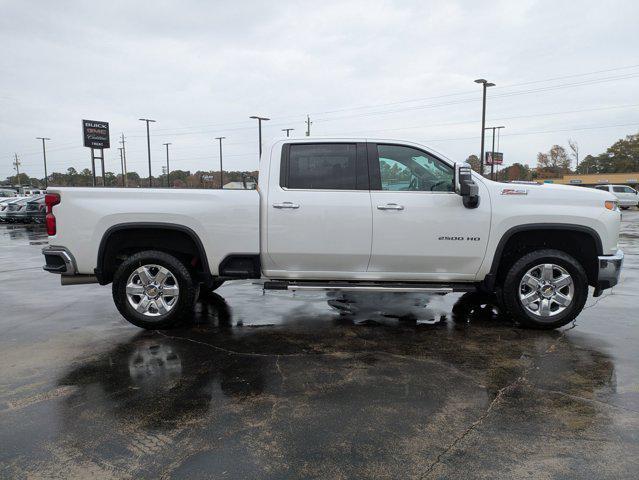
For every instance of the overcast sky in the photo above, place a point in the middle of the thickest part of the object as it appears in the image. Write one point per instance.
(389, 69)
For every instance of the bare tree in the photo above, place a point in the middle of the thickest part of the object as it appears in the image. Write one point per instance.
(574, 146)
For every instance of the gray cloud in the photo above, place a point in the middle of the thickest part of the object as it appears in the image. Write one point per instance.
(201, 68)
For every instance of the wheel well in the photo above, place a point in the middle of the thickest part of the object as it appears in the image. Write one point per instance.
(121, 242)
(581, 245)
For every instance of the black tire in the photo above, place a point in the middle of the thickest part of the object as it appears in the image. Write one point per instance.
(624, 208)
(511, 289)
(188, 290)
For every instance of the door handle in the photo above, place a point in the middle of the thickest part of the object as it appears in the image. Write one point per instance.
(390, 206)
(286, 205)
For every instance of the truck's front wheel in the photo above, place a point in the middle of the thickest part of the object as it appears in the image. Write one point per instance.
(153, 290)
(545, 289)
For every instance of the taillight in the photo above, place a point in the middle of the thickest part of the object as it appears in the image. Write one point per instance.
(51, 199)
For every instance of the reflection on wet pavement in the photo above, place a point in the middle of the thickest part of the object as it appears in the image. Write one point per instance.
(312, 386)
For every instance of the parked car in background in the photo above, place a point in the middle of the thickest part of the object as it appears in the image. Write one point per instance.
(4, 207)
(36, 210)
(30, 192)
(7, 193)
(17, 210)
(3, 203)
(627, 196)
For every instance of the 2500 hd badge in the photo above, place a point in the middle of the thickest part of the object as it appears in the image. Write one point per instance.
(469, 239)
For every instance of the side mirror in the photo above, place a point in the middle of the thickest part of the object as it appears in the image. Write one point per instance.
(465, 186)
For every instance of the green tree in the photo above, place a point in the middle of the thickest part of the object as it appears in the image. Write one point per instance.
(473, 160)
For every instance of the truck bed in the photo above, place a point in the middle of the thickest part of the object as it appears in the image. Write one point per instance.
(226, 221)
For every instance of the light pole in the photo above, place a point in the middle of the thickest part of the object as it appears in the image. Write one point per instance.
(485, 84)
(492, 155)
(168, 169)
(148, 144)
(221, 167)
(259, 127)
(44, 155)
(287, 130)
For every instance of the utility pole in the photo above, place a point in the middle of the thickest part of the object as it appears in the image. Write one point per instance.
(259, 128)
(287, 130)
(126, 180)
(148, 145)
(485, 84)
(492, 155)
(168, 169)
(221, 167)
(308, 125)
(16, 165)
(121, 164)
(44, 155)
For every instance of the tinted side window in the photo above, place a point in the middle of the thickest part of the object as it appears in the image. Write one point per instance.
(409, 169)
(619, 189)
(330, 166)
(602, 188)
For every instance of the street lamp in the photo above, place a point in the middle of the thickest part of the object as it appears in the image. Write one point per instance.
(485, 84)
(259, 126)
(168, 169)
(44, 155)
(221, 168)
(287, 130)
(148, 144)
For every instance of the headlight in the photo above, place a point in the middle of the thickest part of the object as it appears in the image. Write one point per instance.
(611, 205)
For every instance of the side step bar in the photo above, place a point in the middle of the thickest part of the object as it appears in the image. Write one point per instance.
(369, 286)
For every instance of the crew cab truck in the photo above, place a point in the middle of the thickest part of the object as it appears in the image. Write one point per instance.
(341, 214)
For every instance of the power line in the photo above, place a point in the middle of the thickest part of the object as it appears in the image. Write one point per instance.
(454, 102)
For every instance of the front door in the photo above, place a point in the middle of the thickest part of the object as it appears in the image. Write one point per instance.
(421, 230)
(318, 210)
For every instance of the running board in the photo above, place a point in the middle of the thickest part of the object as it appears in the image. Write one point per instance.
(370, 287)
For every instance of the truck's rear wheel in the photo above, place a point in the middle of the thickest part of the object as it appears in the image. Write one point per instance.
(154, 290)
(545, 289)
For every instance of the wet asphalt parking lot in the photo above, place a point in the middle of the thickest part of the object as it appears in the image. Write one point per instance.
(278, 385)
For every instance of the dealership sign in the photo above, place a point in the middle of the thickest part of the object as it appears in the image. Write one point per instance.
(95, 134)
(494, 158)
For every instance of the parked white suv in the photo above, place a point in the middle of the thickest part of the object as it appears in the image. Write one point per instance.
(341, 214)
(627, 196)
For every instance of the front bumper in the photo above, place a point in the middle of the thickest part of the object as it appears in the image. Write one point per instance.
(59, 260)
(609, 271)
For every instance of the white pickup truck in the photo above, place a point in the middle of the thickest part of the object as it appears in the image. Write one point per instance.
(342, 214)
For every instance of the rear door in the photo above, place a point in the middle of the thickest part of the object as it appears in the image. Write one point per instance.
(319, 218)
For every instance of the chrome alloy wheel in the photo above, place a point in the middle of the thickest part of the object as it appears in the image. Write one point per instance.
(152, 290)
(546, 290)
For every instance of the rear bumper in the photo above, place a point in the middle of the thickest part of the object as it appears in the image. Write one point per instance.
(609, 271)
(59, 260)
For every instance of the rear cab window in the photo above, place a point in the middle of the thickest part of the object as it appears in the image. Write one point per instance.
(324, 166)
